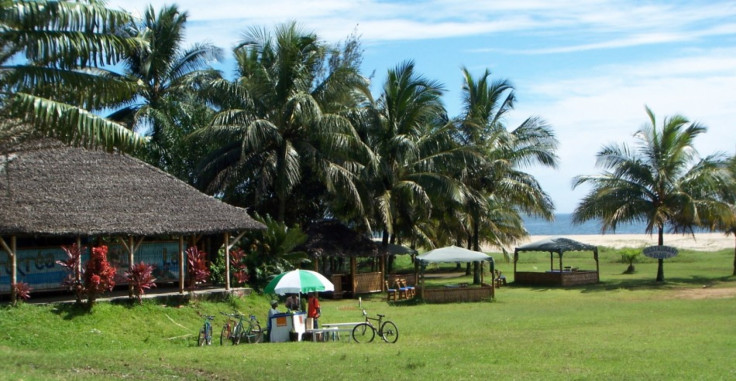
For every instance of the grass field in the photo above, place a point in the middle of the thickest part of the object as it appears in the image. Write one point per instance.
(626, 327)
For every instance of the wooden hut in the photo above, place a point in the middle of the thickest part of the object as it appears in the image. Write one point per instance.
(48, 189)
(330, 243)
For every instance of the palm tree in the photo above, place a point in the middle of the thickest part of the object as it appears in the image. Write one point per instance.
(411, 139)
(660, 182)
(496, 180)
(283, 117)
(166, 75)
(725, 222)
(50, 76)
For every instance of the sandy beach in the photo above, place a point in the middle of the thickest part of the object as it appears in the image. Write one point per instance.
(701, 241)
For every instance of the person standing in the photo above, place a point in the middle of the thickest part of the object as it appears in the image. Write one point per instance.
(292, 304)
(273, 311)
(313, 309)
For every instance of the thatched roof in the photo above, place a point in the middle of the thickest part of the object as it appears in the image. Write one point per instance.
(332, 238)
(47, 188)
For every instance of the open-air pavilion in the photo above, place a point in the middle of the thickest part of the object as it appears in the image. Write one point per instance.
(454, 254)
(51, 190)
(562, 276)
(330, 243)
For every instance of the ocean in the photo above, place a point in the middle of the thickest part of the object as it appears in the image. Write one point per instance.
(562, 225)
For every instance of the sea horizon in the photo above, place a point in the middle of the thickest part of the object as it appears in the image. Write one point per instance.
(562, 225)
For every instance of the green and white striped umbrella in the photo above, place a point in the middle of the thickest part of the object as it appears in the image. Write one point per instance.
(296, 281)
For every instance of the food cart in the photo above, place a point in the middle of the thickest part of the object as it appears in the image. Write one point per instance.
(283, 324)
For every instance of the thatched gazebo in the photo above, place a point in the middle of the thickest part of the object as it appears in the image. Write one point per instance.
(48, 189)
(332, 240)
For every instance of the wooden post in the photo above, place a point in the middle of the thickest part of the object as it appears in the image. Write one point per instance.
(131, 262)
(132, 247)
(13, 265)
(560, 253)
(79, 264)
(384, 276)
(551, 261)
(227, 261)
(353, 273)
(228, 246)
(181, 264)
(597, 268)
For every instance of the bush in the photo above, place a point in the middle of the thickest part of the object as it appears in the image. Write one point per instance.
(74, 270)
(238, 267)
(22, 291)
(140, 276)
(99, 276)
(197, 270)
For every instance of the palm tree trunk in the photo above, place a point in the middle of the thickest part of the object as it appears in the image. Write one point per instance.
(281, 182)
(734, 255)
(476, 247)
(660, 261)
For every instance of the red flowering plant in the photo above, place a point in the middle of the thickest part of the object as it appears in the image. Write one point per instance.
(197, 269)
(22, 290)
(73, 280)
(140, 276)
(238, 266)
(99, 275)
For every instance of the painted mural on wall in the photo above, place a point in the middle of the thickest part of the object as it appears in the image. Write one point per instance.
(39, 269)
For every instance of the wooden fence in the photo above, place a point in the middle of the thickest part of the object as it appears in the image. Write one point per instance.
(456, 294)
(556, 278)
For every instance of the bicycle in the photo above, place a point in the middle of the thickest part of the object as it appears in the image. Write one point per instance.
(205, 333)
(365, 332)
(238, 332)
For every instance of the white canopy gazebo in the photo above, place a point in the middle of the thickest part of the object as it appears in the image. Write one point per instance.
(454, 254)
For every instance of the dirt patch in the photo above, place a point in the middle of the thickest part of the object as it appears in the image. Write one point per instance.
(706, 293)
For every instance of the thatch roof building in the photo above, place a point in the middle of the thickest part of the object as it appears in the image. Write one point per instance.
(332, 238)
(50, 189)
(47, 188)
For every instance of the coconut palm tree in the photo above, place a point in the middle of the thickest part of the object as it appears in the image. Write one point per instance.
(660, 181)
(50, 75)
(165, 75)
(411, 139)
(497, 178)
(283, 117)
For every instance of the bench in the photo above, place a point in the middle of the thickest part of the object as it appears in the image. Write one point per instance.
(341, 327)
(322, 334)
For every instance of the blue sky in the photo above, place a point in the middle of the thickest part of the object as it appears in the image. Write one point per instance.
(588, 68)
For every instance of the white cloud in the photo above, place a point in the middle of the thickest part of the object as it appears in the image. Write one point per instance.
(589, 112)
(587, 104)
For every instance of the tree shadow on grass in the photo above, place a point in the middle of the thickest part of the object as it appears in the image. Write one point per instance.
(651, 284)
(70, 311)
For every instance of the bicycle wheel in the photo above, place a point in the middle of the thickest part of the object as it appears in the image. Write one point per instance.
(389, 332)
(226, 333)
(238, 332)
(202, 338)
(208, 335)
(256, 334)
(363, 333)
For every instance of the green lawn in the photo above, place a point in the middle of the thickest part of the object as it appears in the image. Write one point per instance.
(627, 327)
